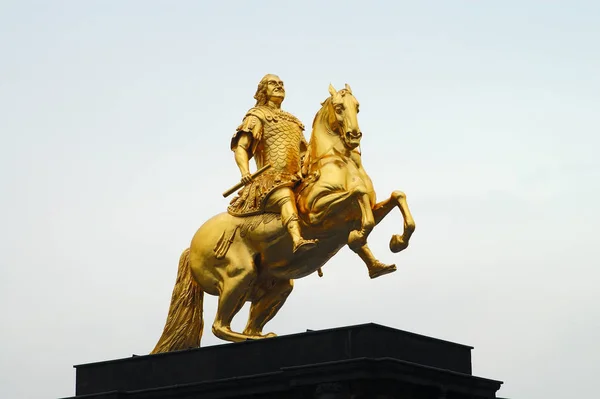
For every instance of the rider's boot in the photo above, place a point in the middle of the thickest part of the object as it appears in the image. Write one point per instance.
(300, 243)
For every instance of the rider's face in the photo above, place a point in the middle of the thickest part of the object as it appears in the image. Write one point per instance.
(275, 88)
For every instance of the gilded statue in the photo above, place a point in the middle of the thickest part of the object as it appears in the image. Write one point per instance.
(305, 202)
(274, 137)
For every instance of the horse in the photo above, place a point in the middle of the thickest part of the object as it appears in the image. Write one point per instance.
(251, 258)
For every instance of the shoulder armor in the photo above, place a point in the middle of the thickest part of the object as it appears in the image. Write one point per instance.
(267, 114)
(260, 112)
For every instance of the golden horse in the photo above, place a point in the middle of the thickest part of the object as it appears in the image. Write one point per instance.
(242, 259)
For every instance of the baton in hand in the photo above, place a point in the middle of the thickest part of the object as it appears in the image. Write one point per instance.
(240, 184)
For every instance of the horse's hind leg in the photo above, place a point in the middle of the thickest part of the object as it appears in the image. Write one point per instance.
(237, 284)
(267, 299)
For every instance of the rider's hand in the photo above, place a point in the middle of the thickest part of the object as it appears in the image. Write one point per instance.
(247, 178)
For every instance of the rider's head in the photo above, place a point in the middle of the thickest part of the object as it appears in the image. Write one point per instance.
(270, 88)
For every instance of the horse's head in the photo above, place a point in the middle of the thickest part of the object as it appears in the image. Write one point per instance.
(343, 120)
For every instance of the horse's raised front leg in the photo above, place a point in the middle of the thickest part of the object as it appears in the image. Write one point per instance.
(357, 240)
(376, 268)
(397, 199)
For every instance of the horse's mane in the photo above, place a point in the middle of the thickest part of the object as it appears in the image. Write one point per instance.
(323, 113)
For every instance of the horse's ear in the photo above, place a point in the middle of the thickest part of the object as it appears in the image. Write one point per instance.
(332, 90)
(348, 88)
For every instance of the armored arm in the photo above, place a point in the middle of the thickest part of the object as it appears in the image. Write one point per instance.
(244, 142)
(242, 155)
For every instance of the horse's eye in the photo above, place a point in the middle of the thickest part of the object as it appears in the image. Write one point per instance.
(339, 109)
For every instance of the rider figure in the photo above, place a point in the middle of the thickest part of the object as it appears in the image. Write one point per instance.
(272, 136)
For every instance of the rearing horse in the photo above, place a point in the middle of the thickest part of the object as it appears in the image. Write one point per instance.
(251, 258)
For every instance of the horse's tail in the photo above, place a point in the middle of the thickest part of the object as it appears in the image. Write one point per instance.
(184, 325)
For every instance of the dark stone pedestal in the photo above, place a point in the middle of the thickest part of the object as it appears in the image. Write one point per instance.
(366, 361)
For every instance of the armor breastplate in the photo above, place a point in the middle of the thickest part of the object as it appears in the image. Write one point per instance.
(280, 144)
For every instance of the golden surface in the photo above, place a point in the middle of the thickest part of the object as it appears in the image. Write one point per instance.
(309, 200)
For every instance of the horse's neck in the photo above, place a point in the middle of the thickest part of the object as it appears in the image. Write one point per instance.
(323, 142)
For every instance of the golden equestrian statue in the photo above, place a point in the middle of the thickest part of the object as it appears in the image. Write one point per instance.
(305, 202)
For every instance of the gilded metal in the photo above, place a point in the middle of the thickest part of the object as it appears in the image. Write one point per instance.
(285, 223)
(241, 184)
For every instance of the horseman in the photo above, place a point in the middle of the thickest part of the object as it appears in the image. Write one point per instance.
(273, 137)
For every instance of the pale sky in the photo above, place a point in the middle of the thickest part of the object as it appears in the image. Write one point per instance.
(116, 119)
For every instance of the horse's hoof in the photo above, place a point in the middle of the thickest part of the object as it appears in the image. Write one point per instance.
(257, 336)
(253, 336)
(397, 243)
(380, 269)
(304, 245)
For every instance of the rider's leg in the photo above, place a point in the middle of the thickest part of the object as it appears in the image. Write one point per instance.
(283, 200)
